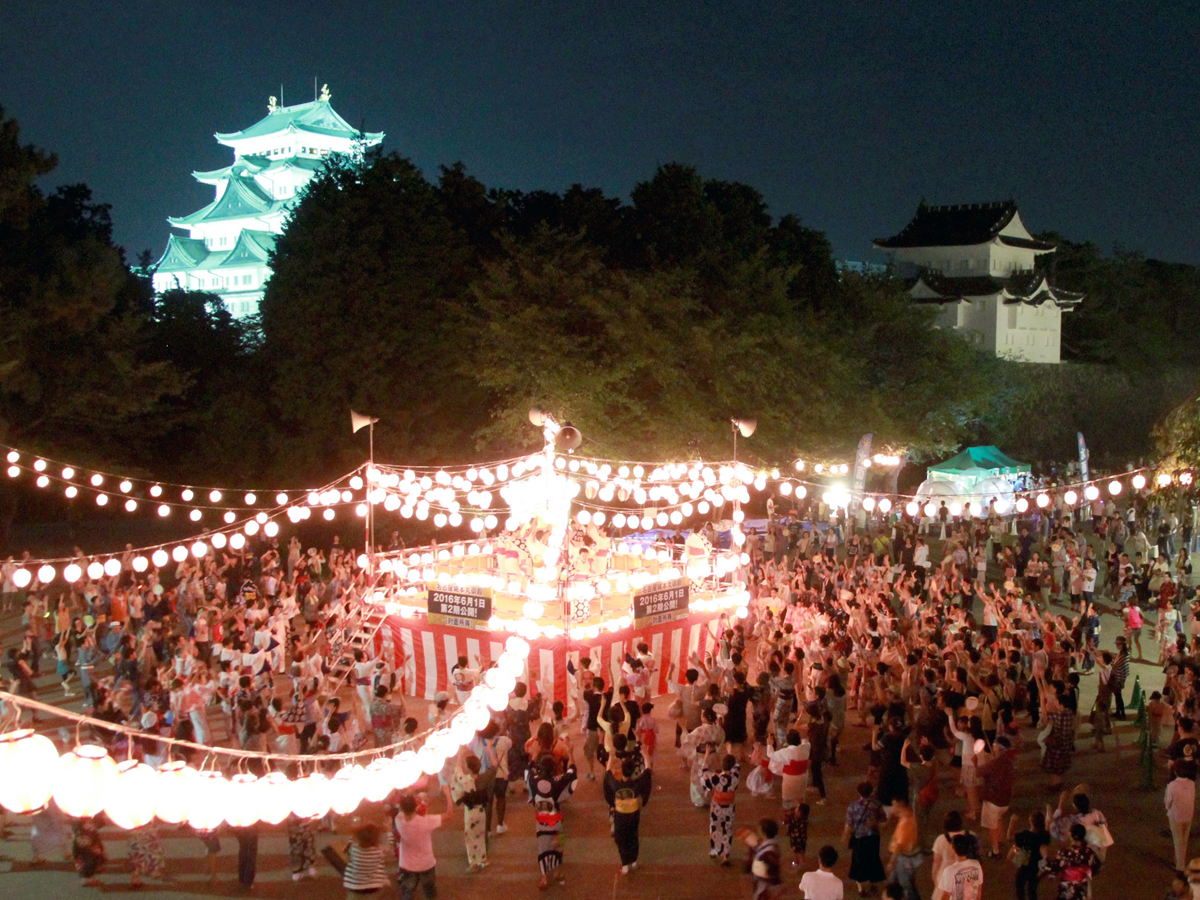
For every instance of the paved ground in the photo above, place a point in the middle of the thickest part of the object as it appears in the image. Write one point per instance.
(675, 861)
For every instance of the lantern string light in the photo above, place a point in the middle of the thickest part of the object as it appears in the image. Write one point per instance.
(610, 491)
(159, 493)
(236, 526)
(578, 467)
(16, 702)
(17, 457)
(82, 720)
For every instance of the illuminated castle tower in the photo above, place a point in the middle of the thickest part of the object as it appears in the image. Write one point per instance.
(228, 241)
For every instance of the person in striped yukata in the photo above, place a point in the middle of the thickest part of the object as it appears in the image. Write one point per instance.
(547, 794)
(722, 784)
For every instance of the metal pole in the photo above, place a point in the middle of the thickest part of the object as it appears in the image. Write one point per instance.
(370, 507)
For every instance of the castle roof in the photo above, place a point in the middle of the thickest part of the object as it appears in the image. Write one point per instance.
(181, 254)
(316, 117)
(961, 225)
(257, 165)
(242, 198)
(252, 248)
(1031, 288)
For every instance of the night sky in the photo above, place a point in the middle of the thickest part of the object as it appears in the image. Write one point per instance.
(845, 114)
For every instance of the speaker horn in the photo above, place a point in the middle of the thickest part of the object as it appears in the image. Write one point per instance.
(745, 427)
(359, 421)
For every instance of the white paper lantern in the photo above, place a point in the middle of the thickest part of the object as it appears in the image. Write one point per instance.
(177, 784)
(21, 578)
(311, 796)
(377, 780)
(28, 763)
(347, 787)
(83, 780)
(210, 801)
(132, 800)
(245, 801)
(405, 770)
(275, 798)
(112, 567)
(429, 760)
(160, 558)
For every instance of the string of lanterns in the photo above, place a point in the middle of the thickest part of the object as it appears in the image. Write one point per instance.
(233, 534)
(1072, 494)
(86, 780)
(97, 477)
(665, 494)
(132, 496)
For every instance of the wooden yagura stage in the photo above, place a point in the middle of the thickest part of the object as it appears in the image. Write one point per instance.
(423, 654)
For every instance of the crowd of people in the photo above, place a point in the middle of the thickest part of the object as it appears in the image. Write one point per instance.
(950, 666)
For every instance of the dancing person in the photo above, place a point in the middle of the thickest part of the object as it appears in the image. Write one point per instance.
(626, 797)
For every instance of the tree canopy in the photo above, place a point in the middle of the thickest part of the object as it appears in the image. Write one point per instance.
(447, 308)
(74, 372)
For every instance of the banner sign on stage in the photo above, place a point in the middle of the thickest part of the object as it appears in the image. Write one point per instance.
(460, 607)
(663, 602)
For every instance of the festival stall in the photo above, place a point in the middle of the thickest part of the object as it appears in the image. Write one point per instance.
(976, 477)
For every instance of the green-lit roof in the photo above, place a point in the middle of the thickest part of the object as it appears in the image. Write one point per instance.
(251, 249)
(240, 199)
(256, 165)
(247, 165)
(317, 117)
(181, 254)
(987, 457)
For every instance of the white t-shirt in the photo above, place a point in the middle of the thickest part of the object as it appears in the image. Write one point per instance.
(962, 880)
(821, 885)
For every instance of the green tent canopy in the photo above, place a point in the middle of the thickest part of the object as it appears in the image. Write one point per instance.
(973, 459)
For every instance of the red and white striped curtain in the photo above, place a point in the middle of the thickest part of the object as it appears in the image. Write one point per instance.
(424, 654)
